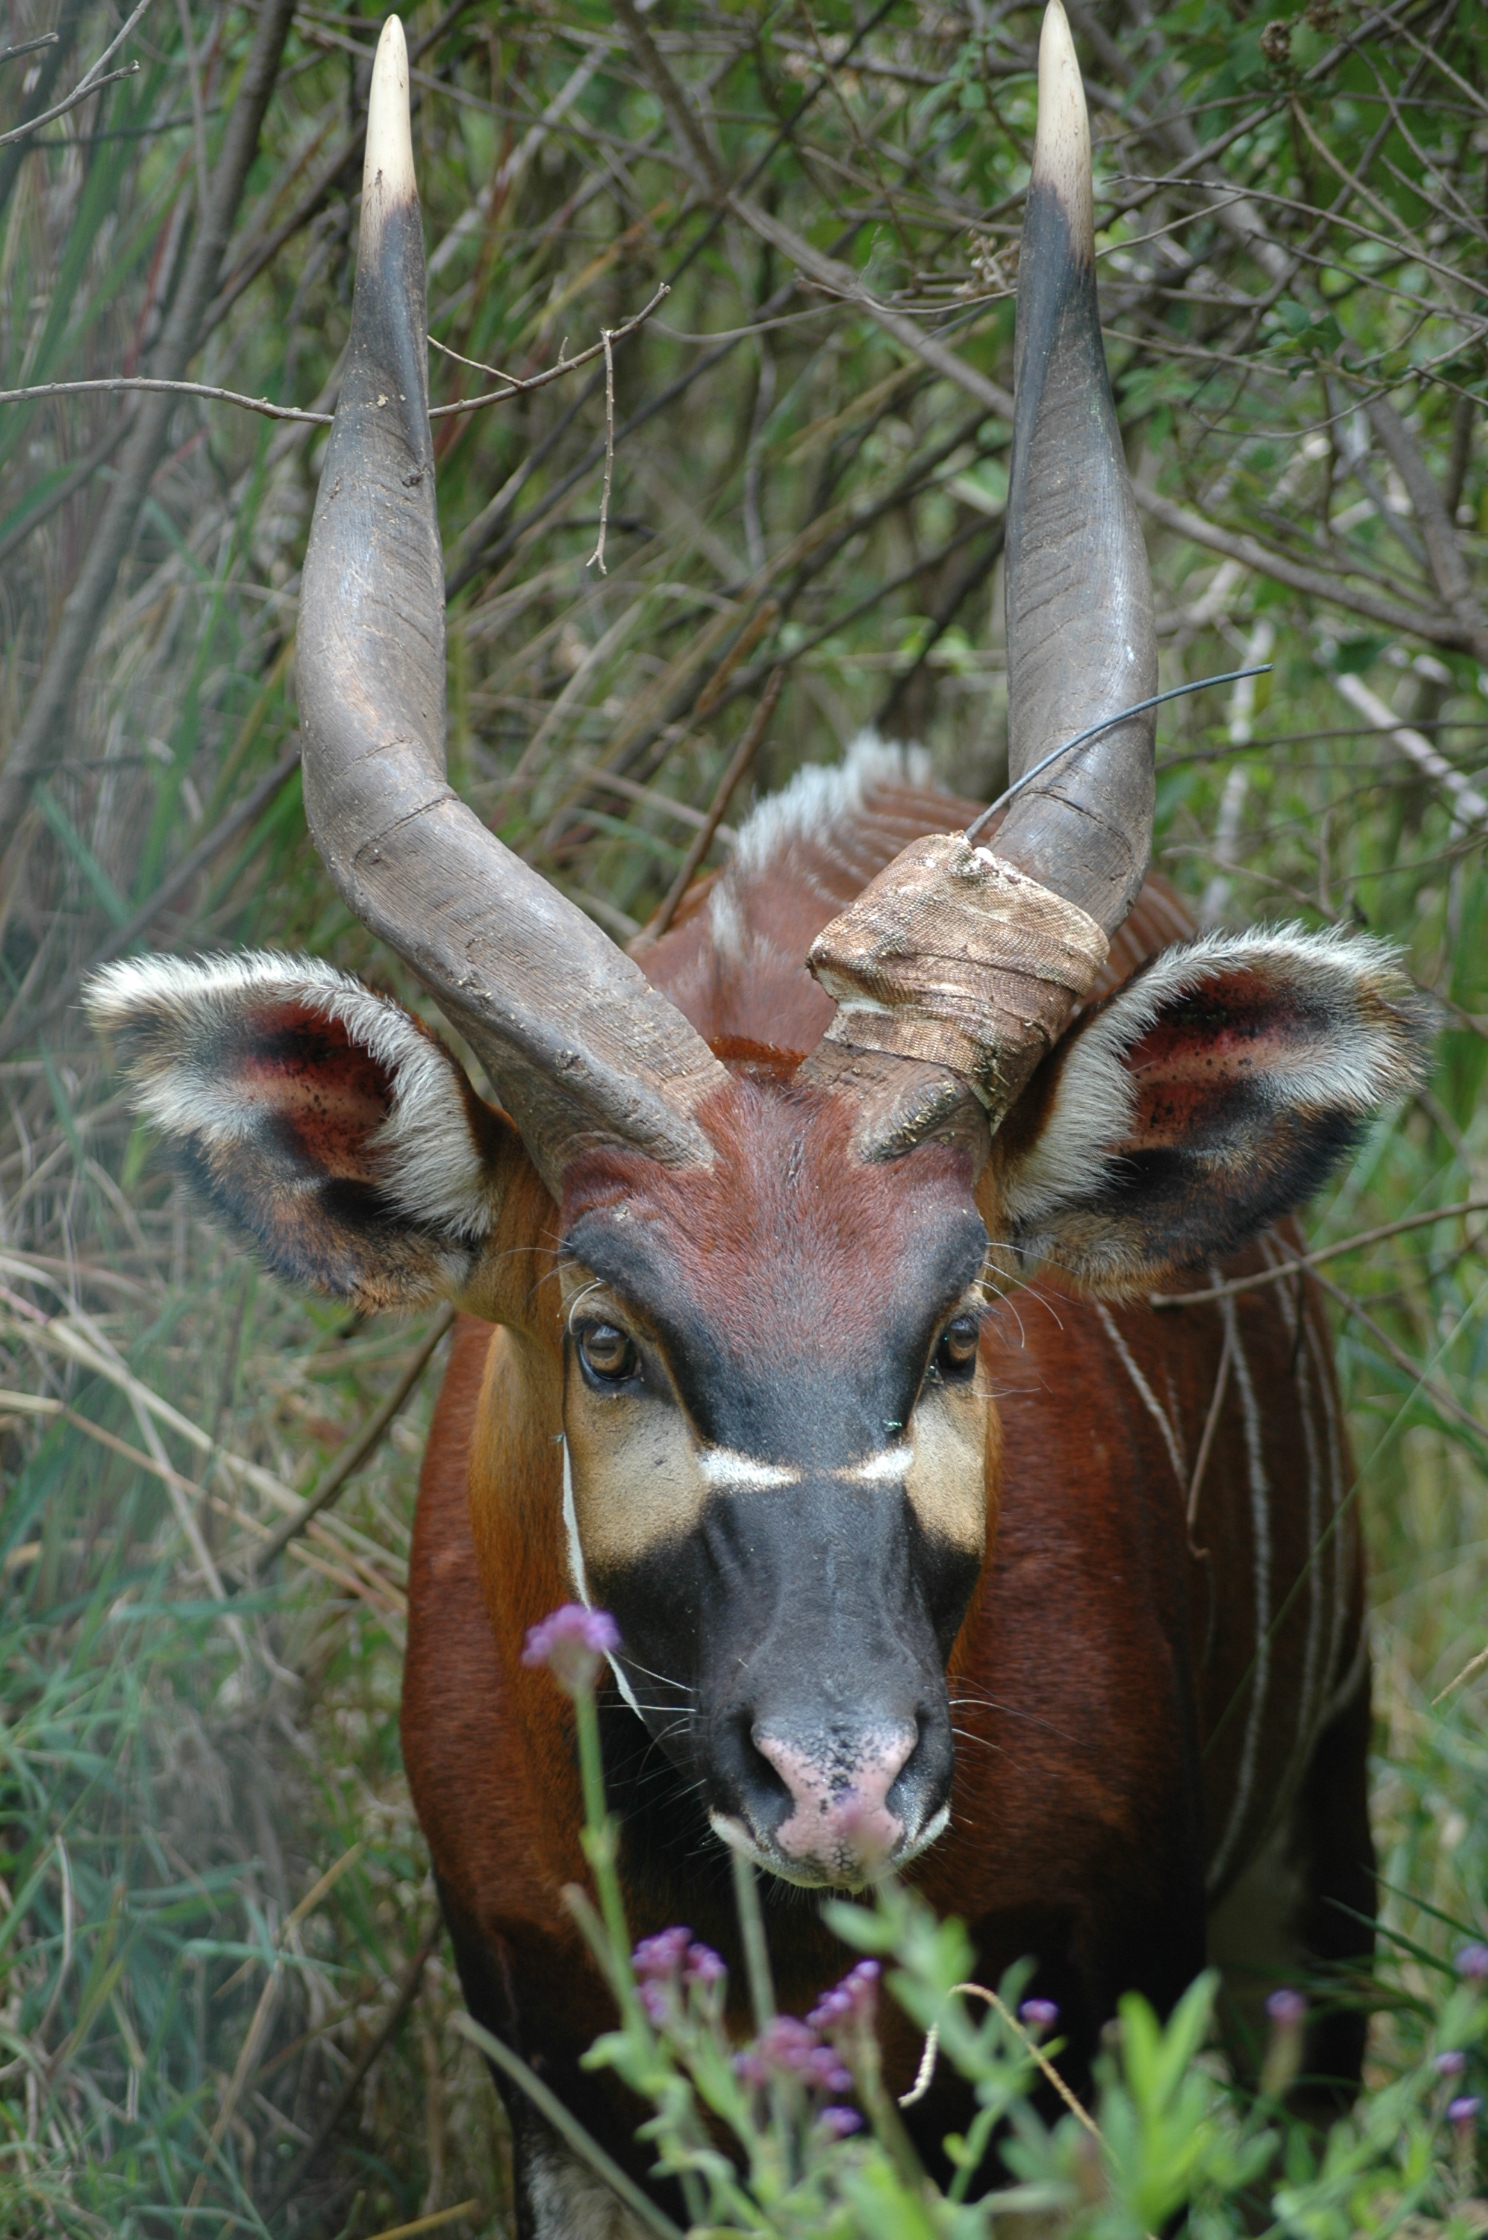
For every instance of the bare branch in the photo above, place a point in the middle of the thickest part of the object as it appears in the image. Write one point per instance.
(92, 81)
(1285, 1268)
(728, 786)
(1470, 808)
(35, 742)
(124, 382)
(1448, 567)
(516, 388)
(596, 557)
(27, 46)
(80, 93)
(1251, 553)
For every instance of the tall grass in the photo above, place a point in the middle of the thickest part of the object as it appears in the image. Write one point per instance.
(181, 1774)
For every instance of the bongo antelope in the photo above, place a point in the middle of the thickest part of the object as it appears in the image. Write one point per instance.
(1014, 1584)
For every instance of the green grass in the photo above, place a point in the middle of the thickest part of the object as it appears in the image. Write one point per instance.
(178, 1781)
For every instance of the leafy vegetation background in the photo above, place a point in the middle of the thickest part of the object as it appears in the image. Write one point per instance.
(223, 2003)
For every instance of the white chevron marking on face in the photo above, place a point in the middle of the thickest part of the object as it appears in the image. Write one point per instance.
(724, 1466)
(887, 1467)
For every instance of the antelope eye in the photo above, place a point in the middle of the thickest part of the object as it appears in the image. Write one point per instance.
(956, 1354)
(607, 1354)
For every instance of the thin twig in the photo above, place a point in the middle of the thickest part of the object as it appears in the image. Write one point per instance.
(1251, 553)
(90, 82)
(354, 1452)
(126, 381)
(522, 388)
(257, 799)
(1473, 1666)
(123, 382)
(1285, 1268)
(27, 46)
(36, 741)
(1438, 1394)
(596, 557)
(1468, 805)
(728, 786)
(49, 116)
(925, 2074)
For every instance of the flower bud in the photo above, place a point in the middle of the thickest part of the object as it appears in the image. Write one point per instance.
(571, 1642)
(1287, 2013)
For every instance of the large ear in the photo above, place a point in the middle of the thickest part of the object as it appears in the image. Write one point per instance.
(320, 1121)
(1210, 1095)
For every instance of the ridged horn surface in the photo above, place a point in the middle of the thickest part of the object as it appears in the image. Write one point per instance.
(1079, 596)
(579, 1046)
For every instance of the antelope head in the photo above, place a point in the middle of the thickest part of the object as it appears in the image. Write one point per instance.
(745, 1306)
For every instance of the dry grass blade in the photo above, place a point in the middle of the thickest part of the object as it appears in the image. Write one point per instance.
(356, 1449)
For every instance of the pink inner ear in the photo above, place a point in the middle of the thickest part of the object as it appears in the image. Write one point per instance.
(323, 1095)
(1237, 1025)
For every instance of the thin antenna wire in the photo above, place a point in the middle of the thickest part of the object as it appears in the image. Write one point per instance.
(1107, 723)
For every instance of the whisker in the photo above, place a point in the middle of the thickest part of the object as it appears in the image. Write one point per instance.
(683, 1687)
(1008, 1711)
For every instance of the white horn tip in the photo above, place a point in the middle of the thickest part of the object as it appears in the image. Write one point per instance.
(1061, 152)
(389, 134)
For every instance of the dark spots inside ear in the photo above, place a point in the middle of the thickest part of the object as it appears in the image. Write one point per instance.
(1189, 1108)
(322, 1096)
(1236, 1022)
(1202, 1070)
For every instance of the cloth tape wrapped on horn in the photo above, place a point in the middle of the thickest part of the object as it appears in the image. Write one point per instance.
(954, 957)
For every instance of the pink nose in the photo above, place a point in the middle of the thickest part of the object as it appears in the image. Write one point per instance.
(841, 1822)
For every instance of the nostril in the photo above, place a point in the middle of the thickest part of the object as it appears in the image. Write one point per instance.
(908, 1766)
(768, 1793)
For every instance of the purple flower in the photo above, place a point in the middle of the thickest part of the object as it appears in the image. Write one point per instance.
(1287, 2009)
(1465, 2112)
(854, 2001)
(658, 1957)
(786, 2047)
(840, 2122)
(667, 1962)
(1450, 2064)
(786, 2043)
(1472, 1963)
(570, 1642)
(823, 2070)
(703, 1967)
(1038, 2014)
